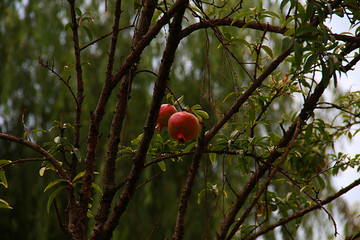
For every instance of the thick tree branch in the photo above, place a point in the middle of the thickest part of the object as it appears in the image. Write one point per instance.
(303, 116)
(158, 94)
(266, 182)
(79, 84)
(110, 83)
(118, 119)
(110, 158)
(77, 229)
(194, 168)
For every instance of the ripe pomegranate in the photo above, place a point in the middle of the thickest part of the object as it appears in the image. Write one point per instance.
(183, 127)
(166, 110)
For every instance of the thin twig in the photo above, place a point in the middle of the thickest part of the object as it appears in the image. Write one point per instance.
(23, 160)
(102, 37)
(58, 168)
(313, 199)
(149, 180)
(304, 211)
(268, 180)
(66, 82)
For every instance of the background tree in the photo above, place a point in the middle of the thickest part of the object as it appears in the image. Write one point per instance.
(81, 87)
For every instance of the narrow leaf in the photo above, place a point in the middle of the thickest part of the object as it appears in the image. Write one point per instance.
(162, 166)
(42, 171)
(268, 51)
(50, 185)
(189, 147)
(196, 107)
(4, 204)
(80, 175)
(3, 180)
(97, 188)
(78, 11)
(202, 114)
(286, 22)
(77, 153)
(88, 32)
(212, 157)
(4, 161)
(52, 197)
(67, 27)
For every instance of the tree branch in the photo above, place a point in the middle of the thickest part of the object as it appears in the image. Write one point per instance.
(37, 148)
(149, 128)
(80, 86)
(195, 163)
(305, 113)
(241, 100)
(267, 181)
(117, 122)
(104, 36)
(304, 211)
(206, 23)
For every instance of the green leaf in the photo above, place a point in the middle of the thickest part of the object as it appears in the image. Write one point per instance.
(321, 182)
(97, 188)
(287, 21)
(3, 180)
(4, 204)
(310, 9)
(202, 114)
(170, 98)
(325, 74)
(88, 32)
(288, 195)
(137, 4)
(212, 157)
(52, 197)
(283, 3)
(310, 62)
(162, 166)
(77, 153)
(4, 161)
(67, 27)
(78, 11)
(303, 188)
(229, 95)
(196, 107)
(156, 16)
(301, 10)
(189, 147)
(286, 43)
(80, 175)
(299, 51)
(50, 185)
(268, 51)
(42, 171)
(289, 32)
(200, 196)
(274, 14)
(241, 15)
(180, 99)
(136, 141)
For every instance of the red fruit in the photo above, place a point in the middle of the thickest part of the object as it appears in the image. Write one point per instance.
(166, 110)
(183, 127)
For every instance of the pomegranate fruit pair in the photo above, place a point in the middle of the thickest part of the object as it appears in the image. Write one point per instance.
(182, 126)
